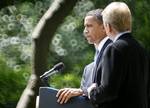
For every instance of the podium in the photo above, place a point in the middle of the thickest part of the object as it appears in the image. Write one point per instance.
(48, 99)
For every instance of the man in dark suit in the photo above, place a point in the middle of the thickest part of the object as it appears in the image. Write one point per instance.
(124, 78)
(95, 34)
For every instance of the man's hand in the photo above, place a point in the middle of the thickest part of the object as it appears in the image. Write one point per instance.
(93, 86)
(65, 94)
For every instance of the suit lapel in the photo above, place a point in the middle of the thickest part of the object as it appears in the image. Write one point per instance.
(98, 59)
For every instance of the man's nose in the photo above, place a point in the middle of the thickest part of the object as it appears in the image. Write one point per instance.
(85, 31)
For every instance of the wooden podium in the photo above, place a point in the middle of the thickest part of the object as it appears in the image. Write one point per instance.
(47, 99)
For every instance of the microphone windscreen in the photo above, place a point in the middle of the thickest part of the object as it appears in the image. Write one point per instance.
(60, 66)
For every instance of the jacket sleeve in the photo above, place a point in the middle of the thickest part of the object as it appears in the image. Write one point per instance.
(82, 84)
(86, 77)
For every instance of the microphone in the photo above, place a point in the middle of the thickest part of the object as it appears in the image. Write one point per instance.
(58, 67)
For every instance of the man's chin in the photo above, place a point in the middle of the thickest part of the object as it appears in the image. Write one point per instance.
(90, 42)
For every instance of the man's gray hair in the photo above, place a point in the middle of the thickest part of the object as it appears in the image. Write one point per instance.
(118, 15)
(97, 13)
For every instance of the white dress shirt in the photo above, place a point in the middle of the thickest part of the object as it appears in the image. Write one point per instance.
(99, 48)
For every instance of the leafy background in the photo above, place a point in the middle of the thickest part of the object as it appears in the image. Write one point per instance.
(68, 45)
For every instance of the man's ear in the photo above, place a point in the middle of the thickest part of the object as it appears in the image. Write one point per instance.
(109, 27)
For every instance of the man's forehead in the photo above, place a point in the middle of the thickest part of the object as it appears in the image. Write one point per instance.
(91, 19)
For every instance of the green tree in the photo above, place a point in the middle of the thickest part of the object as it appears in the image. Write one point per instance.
(67, 44)
(41, 39)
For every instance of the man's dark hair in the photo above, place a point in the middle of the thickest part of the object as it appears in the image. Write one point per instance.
(97, 13)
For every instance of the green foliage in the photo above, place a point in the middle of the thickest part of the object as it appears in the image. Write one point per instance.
(68, 45)
(65, 80)
(141, 22)
(11, 82)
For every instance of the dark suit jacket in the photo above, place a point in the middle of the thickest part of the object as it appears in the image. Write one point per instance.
(122, 76)
(87, 77)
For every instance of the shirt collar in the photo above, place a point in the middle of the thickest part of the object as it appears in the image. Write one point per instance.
(120, 34)
(102, 43)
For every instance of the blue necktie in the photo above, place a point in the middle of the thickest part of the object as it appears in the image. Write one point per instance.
(96, 58)
(96, 55)
(96, 63)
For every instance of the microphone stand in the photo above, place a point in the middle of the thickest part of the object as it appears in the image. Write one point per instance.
(46, 78)
(45, 81)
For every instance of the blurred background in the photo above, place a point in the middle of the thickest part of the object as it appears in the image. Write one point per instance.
(68, 45)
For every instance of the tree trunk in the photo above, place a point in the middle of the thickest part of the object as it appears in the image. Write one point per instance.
(42, 36)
